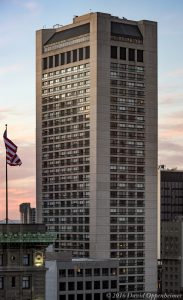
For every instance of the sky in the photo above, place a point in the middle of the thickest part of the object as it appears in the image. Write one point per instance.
(19, 19)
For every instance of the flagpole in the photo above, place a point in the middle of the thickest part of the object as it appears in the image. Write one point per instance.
(6, 186)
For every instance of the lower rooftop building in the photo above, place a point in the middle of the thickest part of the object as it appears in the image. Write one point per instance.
(22, 262)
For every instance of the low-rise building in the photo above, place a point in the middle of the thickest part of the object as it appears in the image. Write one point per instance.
(22, 263)
(80, 279)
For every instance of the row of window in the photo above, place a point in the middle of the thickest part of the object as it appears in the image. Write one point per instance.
(66, 79)
(91, 296)
(65, 58)
(127, 101)
(26, 282)
(123, 92)
(131, 84)
(64, 71)
(88, 272)
(25, 259)
(131, 76)
(65, 95)
(62, 104)
(126, 67)
(89, 285)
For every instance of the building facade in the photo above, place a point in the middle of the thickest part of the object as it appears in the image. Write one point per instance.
(96, 94)
(22, 263)
(171, 185)
(27, 213)
(171, 256)
(80, 279)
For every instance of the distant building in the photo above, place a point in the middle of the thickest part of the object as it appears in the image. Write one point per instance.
(27, 213)
(171, 191)
(172, 256)
(80, 279)
(22, 263)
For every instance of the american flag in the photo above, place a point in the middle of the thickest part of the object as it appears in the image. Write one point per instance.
(12, 158)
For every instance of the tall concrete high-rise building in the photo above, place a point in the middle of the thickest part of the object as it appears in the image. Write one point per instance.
(96, 87)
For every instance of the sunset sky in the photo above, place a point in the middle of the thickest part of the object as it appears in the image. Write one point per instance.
(19, 19)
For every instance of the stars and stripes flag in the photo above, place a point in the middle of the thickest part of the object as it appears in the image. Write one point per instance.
(12, 158)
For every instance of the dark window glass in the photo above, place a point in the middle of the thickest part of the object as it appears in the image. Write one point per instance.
(74, 55)
(13, 281)
(97, 272)
(140, 56)
(71, 297)
(71, 272)
(131, 54)
(87, 52)
(62, 297)
(96, 285)
(62, 58)
(1, 259)
(88, 296)
(113, 52)
(45, 63)
(105, 284)
(50, 61)
(68, 57)
(88, 285)
(1, 282)
(113, 284)
(88, 272)
(26, 260)
(62, 286)
(105, 272)
(97, 296)
(79, 285)
(57, 60)
(62, 273)
(123, 53)
(71, 286)
(80, 297)
(80, 53)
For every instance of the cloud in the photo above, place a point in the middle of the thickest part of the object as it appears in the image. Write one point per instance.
(30, 6)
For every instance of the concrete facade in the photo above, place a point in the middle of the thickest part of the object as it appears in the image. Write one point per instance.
(96, 100)
(81, 279)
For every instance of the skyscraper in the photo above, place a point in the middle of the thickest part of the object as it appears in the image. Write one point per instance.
(27, 213)
(97, 141)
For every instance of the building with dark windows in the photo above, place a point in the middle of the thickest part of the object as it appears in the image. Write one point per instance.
(171, 185)
(96, 100)
(27, 213)
(171, 256)
(22, 261)
(80, 279)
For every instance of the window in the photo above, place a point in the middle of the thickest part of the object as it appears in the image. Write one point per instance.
(1, 282)
(74, 55)
(26, 259)
(97, 296)
(114, 52)
(50, 61)
(97, 272)
(26, 282)
(105, 284)
(80, 297)
(71, 286)
(88, 285)
(71, 297)
(68, 57)
(88, 296)
(131, 54)
(79, 285)
(13, 281)
(71, 272)
(123, 53)
(88, 272)
(87, 52)
(140, 55)
(1, 259)
(96, 285)
(113, 284)
(62, 273)
(62, 286)
(62, 58)
(80, 53)
(45, 63)
(56, 60)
